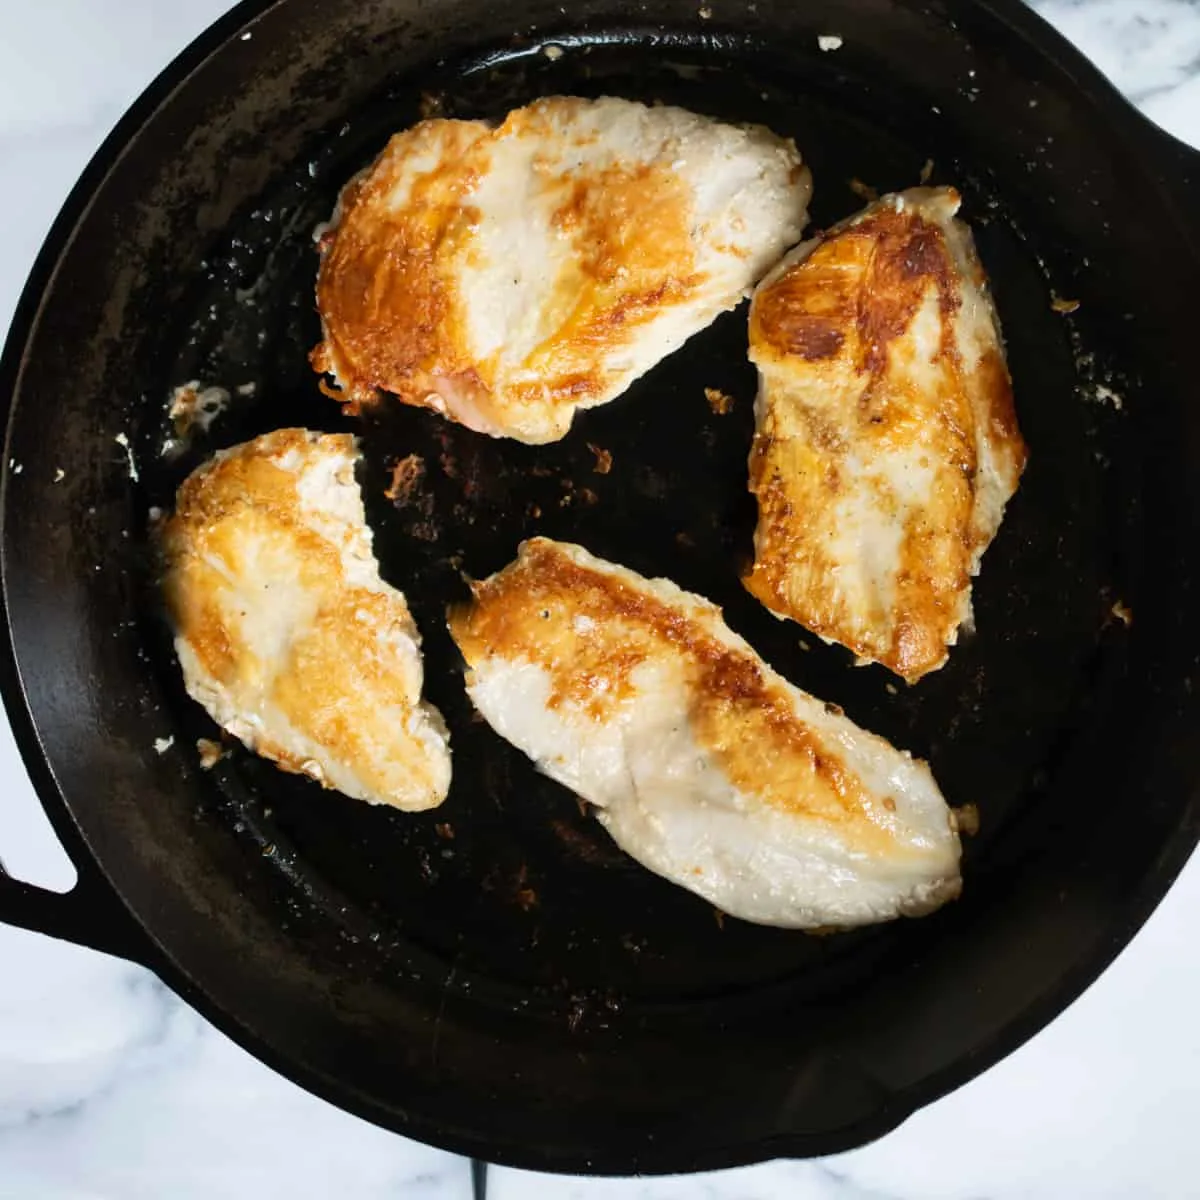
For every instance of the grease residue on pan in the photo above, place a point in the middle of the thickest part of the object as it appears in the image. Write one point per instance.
(529, 893)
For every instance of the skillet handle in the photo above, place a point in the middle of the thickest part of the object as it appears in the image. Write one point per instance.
(90, 915)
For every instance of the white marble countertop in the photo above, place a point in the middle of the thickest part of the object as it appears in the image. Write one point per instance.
(110, 1089)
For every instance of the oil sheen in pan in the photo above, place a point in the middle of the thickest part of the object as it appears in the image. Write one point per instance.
(510, 885)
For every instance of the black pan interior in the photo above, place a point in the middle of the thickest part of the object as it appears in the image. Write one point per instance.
(510, 880)
(505, 928)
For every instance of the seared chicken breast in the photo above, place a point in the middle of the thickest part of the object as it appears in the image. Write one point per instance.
(509, 276)
(703, 763)
(886, 446)
(285, 632)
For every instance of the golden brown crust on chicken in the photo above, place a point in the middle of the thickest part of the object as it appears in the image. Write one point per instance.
(368, 288)
(509, 276)
(887, 442)
(740, 713)
(284, 630)
(389, 271)
(702, 762)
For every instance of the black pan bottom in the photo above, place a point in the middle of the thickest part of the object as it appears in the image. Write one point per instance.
(510, 886)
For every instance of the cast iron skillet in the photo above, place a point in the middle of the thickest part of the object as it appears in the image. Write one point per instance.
(494, 977)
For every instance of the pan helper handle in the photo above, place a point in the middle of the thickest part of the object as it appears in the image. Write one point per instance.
(90, 914)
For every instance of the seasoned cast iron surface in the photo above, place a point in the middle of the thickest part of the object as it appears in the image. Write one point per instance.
(510, 887)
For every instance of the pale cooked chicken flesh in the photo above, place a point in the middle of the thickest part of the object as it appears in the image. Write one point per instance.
(704, 764)
(510, 276)
(285, 632)
(887, 445)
